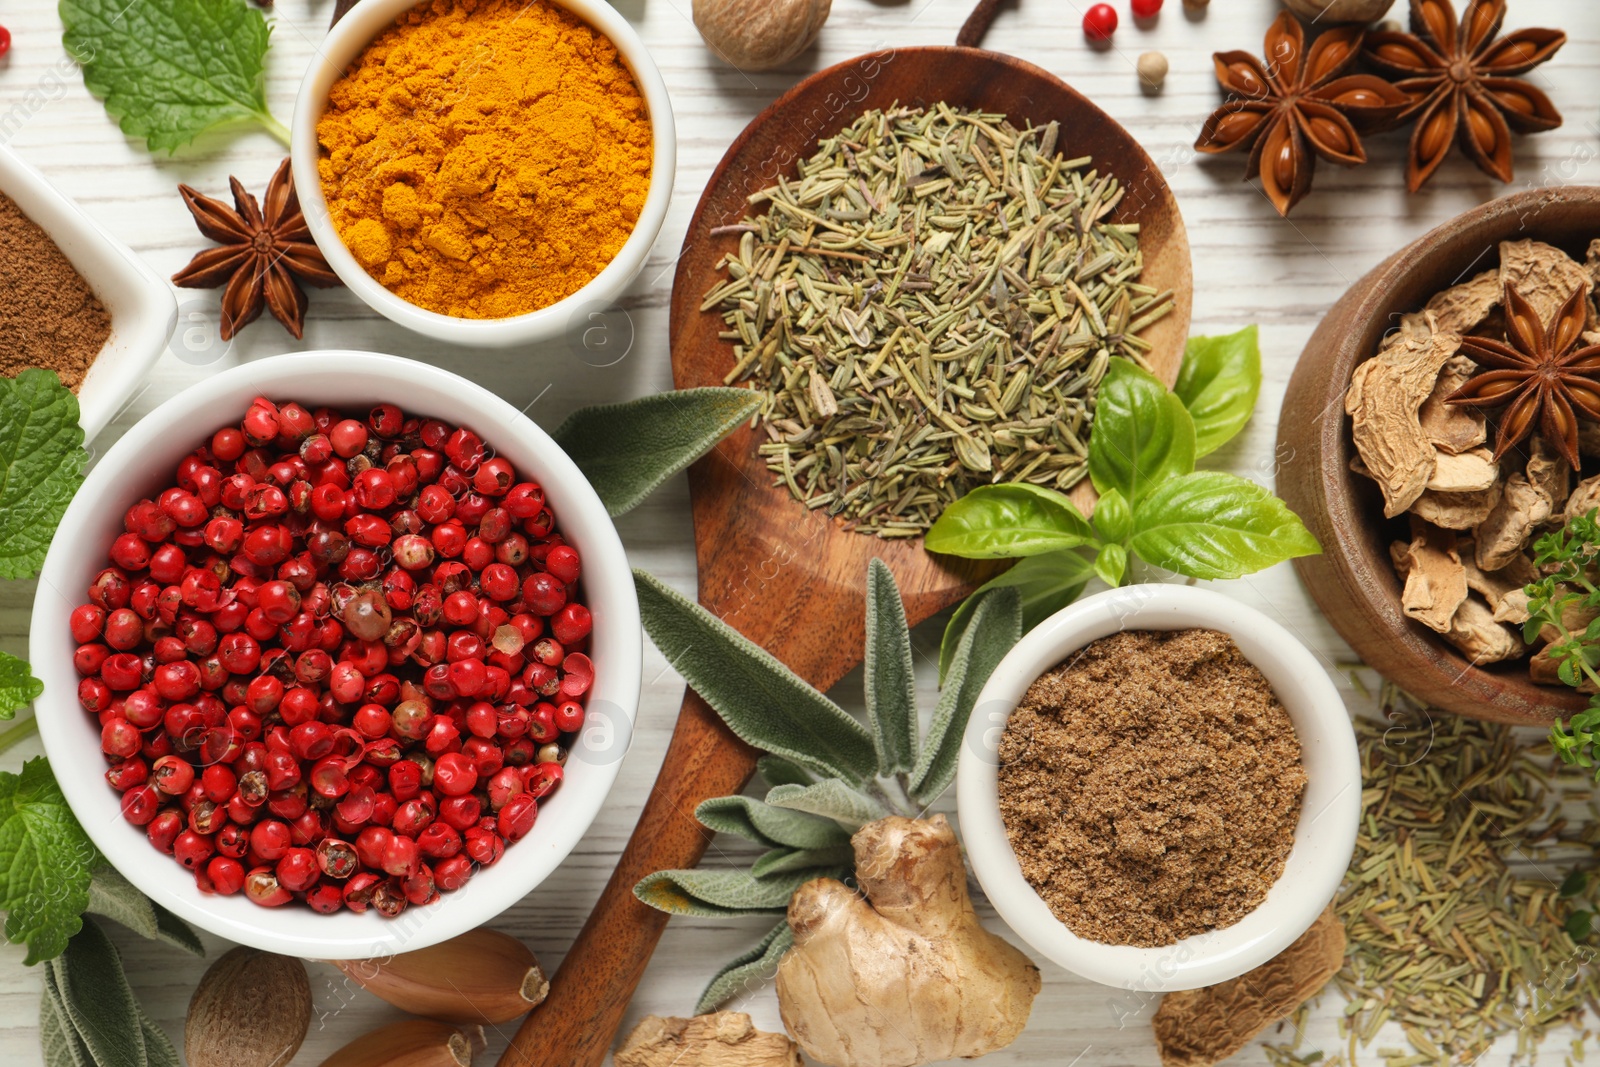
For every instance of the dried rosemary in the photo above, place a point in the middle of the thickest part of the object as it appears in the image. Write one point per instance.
(929, 307)
(1452, 903)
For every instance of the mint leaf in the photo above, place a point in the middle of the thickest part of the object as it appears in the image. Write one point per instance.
(1219, 382)
(41, 466)
(18, 686)
(169, 70)
(46, 861)
(999, 521)
(627, 450)
(1047, 584)
(1142, 433)
(1214, 525)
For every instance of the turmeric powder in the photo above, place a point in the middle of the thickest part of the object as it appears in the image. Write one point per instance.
(484, 159)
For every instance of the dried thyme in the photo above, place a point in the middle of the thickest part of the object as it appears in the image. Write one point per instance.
(928, 307)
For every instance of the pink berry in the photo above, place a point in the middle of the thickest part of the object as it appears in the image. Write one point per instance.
(1146, 9)
(1100, 22)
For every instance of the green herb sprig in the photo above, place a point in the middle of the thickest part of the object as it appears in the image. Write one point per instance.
(828, 773)
(1568, 558)
(1153, 503)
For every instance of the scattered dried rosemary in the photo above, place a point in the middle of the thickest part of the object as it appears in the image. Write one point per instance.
(929, 307)
(1453, 903)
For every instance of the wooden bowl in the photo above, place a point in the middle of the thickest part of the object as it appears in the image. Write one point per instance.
(787, 132)
(1353, 581)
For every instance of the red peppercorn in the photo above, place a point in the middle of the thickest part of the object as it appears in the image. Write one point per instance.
(1146, 9)
(1100, 22)
(261, 887)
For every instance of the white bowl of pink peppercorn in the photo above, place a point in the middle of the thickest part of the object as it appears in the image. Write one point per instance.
(535, 748)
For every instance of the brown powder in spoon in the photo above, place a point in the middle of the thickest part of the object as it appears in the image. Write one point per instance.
(49, 317)
(1150, 786)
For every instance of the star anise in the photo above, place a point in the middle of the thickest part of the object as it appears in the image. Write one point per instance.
(1540, 376)
(262, 254)
(1296, 106)
(1464, 85)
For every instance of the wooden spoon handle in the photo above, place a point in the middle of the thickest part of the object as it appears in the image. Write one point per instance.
(591, 989)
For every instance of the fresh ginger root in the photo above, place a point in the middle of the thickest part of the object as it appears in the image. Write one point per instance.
(726, 1039)
(906, 976)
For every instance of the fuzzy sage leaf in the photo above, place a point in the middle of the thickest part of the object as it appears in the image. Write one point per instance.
(996, 626)
(762, 701)
(783, 860)
(760, 964)
(775, 770)
(890, 686)
(832, 799)
(722, 893)
(114, 897)
(760, 822)
(1218, 382)
(96, 998)
(627, 450)
(60, 1043)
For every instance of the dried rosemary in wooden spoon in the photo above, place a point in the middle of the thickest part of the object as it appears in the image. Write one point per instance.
(929, 307)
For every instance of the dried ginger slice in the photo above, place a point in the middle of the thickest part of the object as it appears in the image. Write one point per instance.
(1480, 638)
(1456, 511)
(1504, 589)
(1462, 308)
(1468, 472)
(1201, 1027)
(1584, 499)
(1385, 395)
(1523, 507)
(1436, 579)
(726, 1039)
(1543, 275)
(1453, 428)
(1550, 472)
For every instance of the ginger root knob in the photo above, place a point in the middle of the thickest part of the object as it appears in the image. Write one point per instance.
(760, 34)
(726, 1039)
(906, 976)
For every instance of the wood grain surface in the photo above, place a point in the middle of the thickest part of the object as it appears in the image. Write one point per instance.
(1250, 266)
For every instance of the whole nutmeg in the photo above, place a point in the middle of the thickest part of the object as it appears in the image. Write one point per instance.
(1152, 67)
(1324, 12)
(760, 34)
(251, 1009)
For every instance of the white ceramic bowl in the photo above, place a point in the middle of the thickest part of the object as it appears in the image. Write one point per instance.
(142, 461)
(341, 48)
(1329, 816)
(143, 311)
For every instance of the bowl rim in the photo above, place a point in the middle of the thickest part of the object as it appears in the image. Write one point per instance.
(344, 42)
(140, 302)
(1332, 802)
(64, 726)
(1360, 600)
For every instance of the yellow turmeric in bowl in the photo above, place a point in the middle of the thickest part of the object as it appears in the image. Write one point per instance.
(484, 159)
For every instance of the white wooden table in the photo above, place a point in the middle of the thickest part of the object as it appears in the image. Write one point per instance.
(1250, 266)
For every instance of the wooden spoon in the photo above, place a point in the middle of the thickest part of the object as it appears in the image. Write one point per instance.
(790, 579)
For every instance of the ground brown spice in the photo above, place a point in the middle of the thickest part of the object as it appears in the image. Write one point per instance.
(49, 317)
(1151, 786)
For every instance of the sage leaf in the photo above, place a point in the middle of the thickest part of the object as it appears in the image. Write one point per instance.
(831, 799)
(1046, 583)
(721, 893)
(60, 1043)
(1111, 564)
(744, 973)
(776, 770)
(158, 1048)
(890, 686)
(627, 450)
(783, 860)
(996, 626)
(758, 821)
(765, 703)
(1219, 382)
(1002, 521)
(114, 897)
(1215, 525)
(18, 686)
(98, 1002)
(1142, 433)
(41, 466)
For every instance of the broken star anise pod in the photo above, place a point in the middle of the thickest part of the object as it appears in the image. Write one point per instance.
(1464, 85)
(1540, 375)
(1295, 106)
(265, 253)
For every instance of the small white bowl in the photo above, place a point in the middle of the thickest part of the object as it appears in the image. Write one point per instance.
(143, 311)
(1329, 816)
(343, 46)
(143, 460)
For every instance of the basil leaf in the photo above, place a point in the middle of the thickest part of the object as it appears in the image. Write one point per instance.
(627, 450)
(890, 687)
(170, 69)
(760, 699)
(760, 964)
(1112, 517)
(1047, 584)
(1142, 433)
(1111, 564)
(1214, 525)
(1001, 521)
(18, 686)
(1219, 382)
(41, 466)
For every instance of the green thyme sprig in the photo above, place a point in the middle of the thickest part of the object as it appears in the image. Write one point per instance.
(1569, 557)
